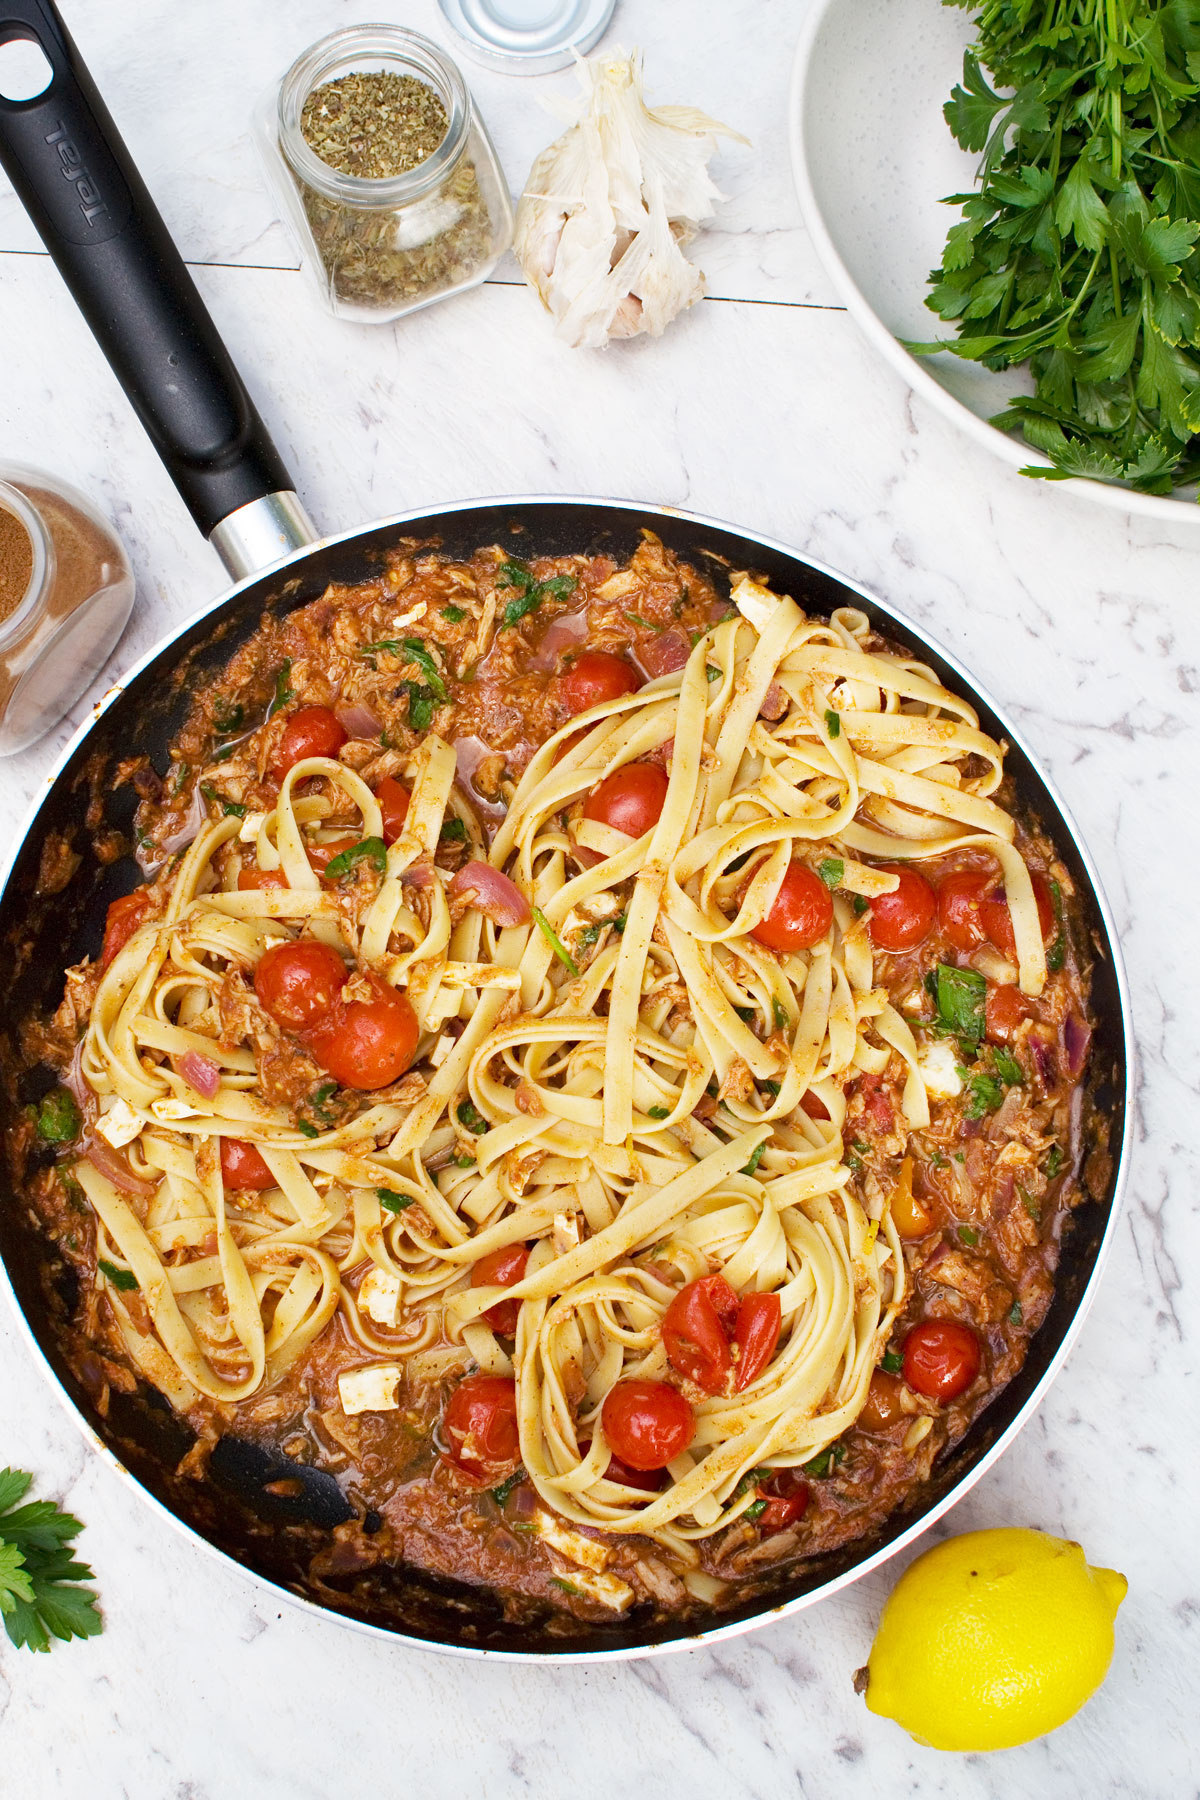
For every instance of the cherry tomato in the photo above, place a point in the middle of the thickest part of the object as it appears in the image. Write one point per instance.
(647, 1423)
(814, 1106)
(1005, 1010)
(958, 901)
(882, 1406)
(902, 919)
(124, 917)
(648, 1481)
(696, 1331)
(630, 799)
(480, 1427)
(595, 676)
(393, 798)
(503, 1268)
(941, 1359)
(368, 1043)
(251, 876)
(800, 914)
(877, 1105)
(997, 920)
(759, 1320)
(311, 731)
(243, 1167)
(299, 983)
(910, 1216)
(786, 1495)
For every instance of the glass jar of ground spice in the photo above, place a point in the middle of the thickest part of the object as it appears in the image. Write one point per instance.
(385, 172)
(65, 593)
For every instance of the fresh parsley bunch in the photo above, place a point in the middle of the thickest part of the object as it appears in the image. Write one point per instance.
(1077, 254)
(39, 1593)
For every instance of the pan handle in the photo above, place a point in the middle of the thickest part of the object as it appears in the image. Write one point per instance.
(75, 178)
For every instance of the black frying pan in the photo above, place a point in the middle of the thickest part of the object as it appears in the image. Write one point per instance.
(66, 160)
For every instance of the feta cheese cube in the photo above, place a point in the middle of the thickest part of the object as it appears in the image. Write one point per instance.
(370, 1390)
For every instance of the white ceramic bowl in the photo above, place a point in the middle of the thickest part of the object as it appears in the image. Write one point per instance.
(872, 159)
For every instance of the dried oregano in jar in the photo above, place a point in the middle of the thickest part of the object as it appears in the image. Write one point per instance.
(385, 172)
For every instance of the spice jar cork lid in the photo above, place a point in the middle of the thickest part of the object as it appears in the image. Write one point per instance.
(528, 37)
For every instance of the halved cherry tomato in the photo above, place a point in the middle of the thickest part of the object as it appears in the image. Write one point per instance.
(902, 919)
(958, 901)
(697, 1330)
(1005, 1010)
(251, 876)
(594, 676)
(910, 1216)
(243, 1167)
(800, 914)
(759, 1320)
(941, 1359)
(480, 1427)
(502, 1268)
(393, 798)
(882, 1406)
(311, 731)
(299, 983)
(997, 920)
(630, 799)
(647, 1423)
(123, 919)
(786, 1494)
(877, 1107)
(367, 1044)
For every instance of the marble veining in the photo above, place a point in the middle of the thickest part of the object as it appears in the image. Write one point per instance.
(763, 406)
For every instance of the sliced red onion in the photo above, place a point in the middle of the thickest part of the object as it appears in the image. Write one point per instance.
(1077, 1041)
(561, 635)
(358, 720)
(115, 1169)
(663, 654)
(1044, 1062)
(200, 1072)
(493, 893)
(420, 875)
(179, 839)
(73, 1080)
(469, 752)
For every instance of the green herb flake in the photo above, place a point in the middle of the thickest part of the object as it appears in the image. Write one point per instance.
(40, 1595)
(658, 1112)
(124, 1279)
(1057, 952)
(530, 593)
(646, 624)
(226, 718)
(892, 1362)
(825, 1460)
(392, 1202)
(781, 1015)
(470, 1117)
(454, 615)
(463, 1161)
(968, 1235)
(833, 723)
(985, 1094)
(58, 1118)
(713, 674)
(754, 1511)
(832, 871)
(860, 904)
(371, 850)
(418, 653)
(306, 1129)
(421, 705)
(938, 1161)
(1032, 1206)
(504, 1492)
(1055, 1159)
(233, 809)
(755, 1159)
(283, 688)
(1015, 1314)
(568, 1587)
(555, 942)
(454, 831)
(1007, 1068)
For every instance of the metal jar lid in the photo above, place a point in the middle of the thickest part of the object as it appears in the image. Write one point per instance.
(527, 37)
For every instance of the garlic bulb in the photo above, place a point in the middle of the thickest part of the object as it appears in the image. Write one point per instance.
(609, 205)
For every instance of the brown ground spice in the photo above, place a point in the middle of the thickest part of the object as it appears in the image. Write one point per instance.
(16, 562)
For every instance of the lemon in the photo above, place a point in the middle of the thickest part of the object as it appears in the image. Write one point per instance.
(993, 1638)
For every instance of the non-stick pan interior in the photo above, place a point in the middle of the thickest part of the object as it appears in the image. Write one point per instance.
(43, 931)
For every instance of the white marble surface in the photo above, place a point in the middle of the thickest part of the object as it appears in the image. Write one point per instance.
(763, 407)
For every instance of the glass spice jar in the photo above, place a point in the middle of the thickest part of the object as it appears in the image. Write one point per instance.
(385, 172)
(66, 589)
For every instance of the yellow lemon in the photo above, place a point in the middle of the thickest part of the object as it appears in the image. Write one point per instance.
(993, 1638)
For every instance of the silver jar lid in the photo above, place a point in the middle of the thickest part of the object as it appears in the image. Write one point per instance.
(527, 37)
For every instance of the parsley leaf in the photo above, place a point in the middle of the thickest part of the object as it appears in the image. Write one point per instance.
(470, 1116)
(755, 1511)
(454, 831)
(832, 871)
(860, 904)
(1057, 952)
(985, 1094)
(968, 1234)
(454, 615)
(646, 624)
(226, 718)
(825, 1460)
(531, 593)
(123, 1279)
(833, 723)
(658, 1112)
(1015, 1313)
(418, 653)
(713, 674)
(781, 1015)
(755, 1159)
(233, 809)
(39, 1593)
(283, 688)
(372, 850)
(507, 1487)
(421, 705)
(960, 996)
(306, 1129)
(393, 1203)
(555, 942)
(1007, 1067)
(1054, 1161)
(892, 1362)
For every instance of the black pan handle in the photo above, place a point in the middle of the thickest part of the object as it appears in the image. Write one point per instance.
(74, 176)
